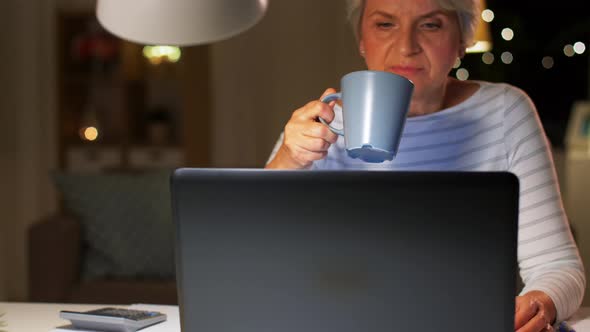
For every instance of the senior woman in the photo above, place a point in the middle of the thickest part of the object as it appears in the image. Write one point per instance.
(455, 125)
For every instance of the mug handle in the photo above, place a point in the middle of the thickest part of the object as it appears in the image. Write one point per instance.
(327, 99)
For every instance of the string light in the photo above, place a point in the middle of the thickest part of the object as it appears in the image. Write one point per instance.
(568, 50)
(462, 74)
(507, 34)
(579, 47)
(507, 57)
(547, 62)
(487, 58)
(487, 15)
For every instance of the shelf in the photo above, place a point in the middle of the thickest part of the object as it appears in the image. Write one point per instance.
(105, 83)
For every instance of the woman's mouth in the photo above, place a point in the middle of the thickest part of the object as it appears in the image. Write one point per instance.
(405, 70)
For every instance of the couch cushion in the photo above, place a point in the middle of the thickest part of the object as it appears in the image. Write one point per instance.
(126, 222)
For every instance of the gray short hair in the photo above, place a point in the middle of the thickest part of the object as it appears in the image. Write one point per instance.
(467, 14)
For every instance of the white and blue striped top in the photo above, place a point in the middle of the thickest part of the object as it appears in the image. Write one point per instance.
(496, 129)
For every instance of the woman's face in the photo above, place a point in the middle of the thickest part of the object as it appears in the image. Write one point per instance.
(412, 38)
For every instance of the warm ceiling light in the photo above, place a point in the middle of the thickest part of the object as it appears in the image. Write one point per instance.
(482, 36)
(90, 133)
(162, 53)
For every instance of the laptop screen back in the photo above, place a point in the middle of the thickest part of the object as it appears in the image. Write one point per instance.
(346, 251)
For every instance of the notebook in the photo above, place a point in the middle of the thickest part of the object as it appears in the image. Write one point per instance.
(348, 251)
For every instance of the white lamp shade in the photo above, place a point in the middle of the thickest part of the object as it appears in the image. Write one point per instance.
(178, 22)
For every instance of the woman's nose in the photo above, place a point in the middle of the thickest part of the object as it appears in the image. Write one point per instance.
(408, 42)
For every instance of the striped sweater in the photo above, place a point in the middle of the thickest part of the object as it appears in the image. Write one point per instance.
(496, 129)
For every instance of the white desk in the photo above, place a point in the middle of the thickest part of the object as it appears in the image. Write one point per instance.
(44, 317)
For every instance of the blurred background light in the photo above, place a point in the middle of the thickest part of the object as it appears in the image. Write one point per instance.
(462, 74)
(162, 53)
(487, 15)
(579, 47)
(89, 133)
(547, 62)
(487, 58)
(568, 50)
(507, 57)
(507, 34)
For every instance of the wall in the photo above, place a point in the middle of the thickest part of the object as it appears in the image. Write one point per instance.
(259, 78)
(27, 138)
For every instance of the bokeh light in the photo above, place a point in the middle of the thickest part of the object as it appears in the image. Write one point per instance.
(568, 50)
(160, 53)
(507, 57)
(90, 133)
(487, 15)
(507, 34)
(579, 47)
(462, 74)
(487, 58)
(547, 62)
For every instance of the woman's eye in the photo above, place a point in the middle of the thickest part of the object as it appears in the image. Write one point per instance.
(384, 25)
(431, 25)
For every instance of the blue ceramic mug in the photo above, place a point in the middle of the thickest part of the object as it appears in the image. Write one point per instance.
(375, 105)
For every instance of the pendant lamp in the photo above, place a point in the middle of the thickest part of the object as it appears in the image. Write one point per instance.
(178, 22)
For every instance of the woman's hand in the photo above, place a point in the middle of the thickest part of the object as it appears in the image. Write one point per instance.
(305, 139)
(535, 311)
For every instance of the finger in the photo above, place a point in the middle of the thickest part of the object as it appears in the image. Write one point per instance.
(305, 157)
(317, 109)
(537, 324)
(312, 111)
(298, 131)
(320, 130)
(314, 144)
(525, 311)
(327, 92)
(326, 112)
(333, 102)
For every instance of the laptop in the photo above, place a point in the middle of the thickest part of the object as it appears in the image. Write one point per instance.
(345, 251)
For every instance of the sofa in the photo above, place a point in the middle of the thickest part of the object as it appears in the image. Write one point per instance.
(112, 242)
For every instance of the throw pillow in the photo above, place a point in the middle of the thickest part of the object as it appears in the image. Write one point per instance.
(126, 220)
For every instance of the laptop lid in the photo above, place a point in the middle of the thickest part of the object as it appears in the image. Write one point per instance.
(346, 251)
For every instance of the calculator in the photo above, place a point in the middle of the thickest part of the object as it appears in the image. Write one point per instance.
(113, 319)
